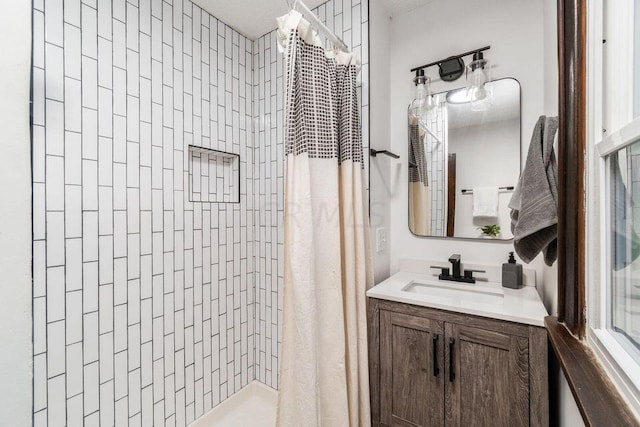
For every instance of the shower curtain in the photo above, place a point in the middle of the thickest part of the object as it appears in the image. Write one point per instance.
(419, 191)
(327, 259)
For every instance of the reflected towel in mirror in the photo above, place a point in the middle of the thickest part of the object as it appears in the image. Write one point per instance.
(485, 202)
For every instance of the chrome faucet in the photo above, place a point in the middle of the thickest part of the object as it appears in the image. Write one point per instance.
(456, 267)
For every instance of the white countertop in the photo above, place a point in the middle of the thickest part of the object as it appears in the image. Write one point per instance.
(516, 305)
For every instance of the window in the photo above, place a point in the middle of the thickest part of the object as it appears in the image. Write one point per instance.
(624, 231)
(613, 193)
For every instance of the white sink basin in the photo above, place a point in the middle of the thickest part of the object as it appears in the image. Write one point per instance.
(470, 292)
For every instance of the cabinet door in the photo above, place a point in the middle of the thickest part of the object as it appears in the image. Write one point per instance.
(487, 378)
(411, 370)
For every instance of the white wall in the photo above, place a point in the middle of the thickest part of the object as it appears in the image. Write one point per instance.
(550, 63)
(514, 30)
(568, 414)
(15, 214)
(380, 166)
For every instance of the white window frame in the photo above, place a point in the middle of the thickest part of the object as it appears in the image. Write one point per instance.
(607, 111)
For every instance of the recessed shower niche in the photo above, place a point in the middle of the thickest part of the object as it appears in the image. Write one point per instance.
(214, 176)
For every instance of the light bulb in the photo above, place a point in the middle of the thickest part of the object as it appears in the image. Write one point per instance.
(422, 100)
(477, 77)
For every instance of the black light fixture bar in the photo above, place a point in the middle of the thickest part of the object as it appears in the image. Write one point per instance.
(482, 49)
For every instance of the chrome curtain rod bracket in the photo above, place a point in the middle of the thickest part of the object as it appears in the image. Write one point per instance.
(374, 153)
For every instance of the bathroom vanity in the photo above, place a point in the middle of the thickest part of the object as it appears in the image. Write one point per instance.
(456, 354)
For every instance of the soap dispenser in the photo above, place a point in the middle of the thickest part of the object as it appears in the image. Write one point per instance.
(512, 273)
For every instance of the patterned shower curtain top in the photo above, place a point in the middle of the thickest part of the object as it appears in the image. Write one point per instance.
(326, 82)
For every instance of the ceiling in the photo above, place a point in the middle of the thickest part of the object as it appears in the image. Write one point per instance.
(255, 18)
(252, 18)
(398, 7)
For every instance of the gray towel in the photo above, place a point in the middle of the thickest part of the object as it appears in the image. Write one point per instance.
(534, 204)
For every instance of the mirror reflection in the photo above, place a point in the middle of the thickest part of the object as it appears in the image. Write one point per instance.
(464, 161)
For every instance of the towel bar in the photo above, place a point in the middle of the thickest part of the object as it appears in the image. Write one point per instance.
(470, 191)
(374, 153)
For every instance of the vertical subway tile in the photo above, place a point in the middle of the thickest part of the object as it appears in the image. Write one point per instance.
(73, 278)
(105, 63)
(75, 412)
(90, 337)
(89, 82)
(54, 17)
(104, 19)
(91, 387)
(90, 286)
(72, 52)
(132, 27)
(73, 105)
(89, 32)
(72, 12)
(119, 10)
(89, 133)
(89, 236)
(55, 239)
(119, 44)
(54, 133)
(55, 350)
(56, 410)
(74, 369)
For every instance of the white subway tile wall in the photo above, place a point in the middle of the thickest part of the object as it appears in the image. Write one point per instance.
(437, 161)
(349, 19)
(150, 309)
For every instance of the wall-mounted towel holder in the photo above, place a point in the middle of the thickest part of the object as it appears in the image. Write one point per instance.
(374, 153)
(470, 191)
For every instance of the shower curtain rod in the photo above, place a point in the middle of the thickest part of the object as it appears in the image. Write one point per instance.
(337, 41)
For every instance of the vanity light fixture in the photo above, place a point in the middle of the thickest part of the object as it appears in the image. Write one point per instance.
(423, 99)
(451, 68)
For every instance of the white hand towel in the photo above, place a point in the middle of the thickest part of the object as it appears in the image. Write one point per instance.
(485, 202)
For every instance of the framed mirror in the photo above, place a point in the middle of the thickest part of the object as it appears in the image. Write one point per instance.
(464, 163)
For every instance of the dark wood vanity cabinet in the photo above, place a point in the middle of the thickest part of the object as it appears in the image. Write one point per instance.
(412, 365)
(431, 368)
(488, 378)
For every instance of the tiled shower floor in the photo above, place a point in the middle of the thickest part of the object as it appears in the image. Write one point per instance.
(254, 405)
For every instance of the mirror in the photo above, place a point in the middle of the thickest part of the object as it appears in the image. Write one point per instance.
(464, 163)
